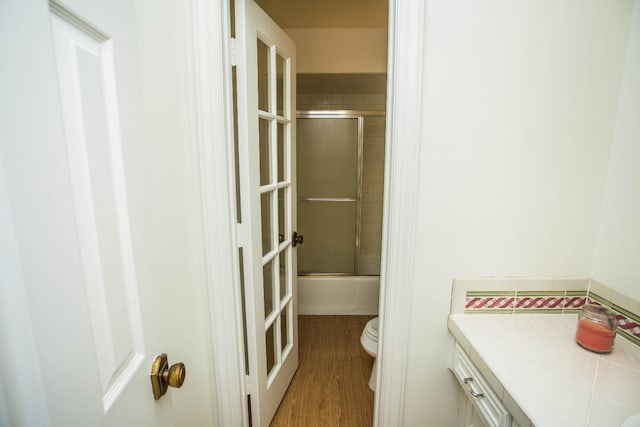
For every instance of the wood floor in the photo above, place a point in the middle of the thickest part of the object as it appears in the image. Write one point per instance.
(330, 387)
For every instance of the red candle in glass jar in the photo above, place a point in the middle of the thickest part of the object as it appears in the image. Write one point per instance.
(596, 328)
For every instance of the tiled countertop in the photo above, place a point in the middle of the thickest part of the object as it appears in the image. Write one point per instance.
(546, 379)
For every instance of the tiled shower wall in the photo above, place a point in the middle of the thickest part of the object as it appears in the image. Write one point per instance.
(341, 91)
(357, 92)
(372, 191)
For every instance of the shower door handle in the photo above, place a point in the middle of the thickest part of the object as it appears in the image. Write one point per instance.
(297, 239)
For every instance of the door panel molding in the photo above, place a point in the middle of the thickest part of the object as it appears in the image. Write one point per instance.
(89, 101)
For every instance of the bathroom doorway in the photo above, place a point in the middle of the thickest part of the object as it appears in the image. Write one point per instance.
(341, 99)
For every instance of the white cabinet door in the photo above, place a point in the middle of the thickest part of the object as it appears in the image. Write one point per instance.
(469, 415)
(479, 394)
(99, 213)
(266, 119)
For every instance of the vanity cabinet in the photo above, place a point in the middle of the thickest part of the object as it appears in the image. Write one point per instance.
(480, 405)
(469, 415)
(534, 367)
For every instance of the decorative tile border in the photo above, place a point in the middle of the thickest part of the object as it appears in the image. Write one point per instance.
(508, 302)
(546, 301)
(596, 299)
(574, 300)
(539, 301)
(628, 325)
(628, 322)
(511, 295)
(489, 301)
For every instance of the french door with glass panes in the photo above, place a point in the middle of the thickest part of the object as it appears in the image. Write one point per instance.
(266, 152)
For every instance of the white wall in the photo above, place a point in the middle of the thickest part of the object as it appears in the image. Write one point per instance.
(340, 50)
(618, 244)
(520, 102)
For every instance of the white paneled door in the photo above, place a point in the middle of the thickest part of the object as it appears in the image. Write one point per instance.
(266, 118)
(101, 252)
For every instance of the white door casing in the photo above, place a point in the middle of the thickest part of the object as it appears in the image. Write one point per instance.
(104, 213)
(405, 68)
(266, 134)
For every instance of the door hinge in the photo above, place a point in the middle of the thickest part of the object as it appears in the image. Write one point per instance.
(233, 51)
(240, 235)
(247, 384)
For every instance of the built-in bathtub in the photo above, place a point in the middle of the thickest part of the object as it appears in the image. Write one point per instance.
(340, 179)
(324, 294)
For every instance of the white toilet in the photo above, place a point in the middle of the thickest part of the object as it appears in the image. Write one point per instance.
(369, 340)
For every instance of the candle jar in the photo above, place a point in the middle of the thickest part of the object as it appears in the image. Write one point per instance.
(596, 328)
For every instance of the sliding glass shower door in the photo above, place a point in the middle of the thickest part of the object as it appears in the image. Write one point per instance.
(330, 181)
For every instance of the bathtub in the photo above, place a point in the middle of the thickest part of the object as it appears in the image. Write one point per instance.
(355, 295)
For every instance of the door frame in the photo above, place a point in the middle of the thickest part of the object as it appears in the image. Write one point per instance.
(405, 61)
(210, 57)
(403, 132)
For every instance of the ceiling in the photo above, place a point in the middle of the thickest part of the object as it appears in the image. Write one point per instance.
(327, 13)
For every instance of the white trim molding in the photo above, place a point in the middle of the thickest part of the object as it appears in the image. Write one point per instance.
(403, 134)
(214, 131)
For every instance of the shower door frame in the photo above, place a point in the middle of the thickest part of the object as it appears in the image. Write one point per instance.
(360, 116)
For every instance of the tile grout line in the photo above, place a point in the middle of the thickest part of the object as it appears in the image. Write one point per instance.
(593, 390)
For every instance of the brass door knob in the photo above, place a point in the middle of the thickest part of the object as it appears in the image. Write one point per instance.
(163, 376)
(174, 376)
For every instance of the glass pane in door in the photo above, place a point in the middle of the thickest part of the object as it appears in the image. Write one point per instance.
(284, 327)
(282, 165)
(280, 64)
(265, 151)
(282, 215)
(269, 290)
(265, 211)
(284, 274)
(263, 76)
(271, 348)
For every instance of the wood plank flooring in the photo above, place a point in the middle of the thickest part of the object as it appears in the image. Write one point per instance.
(330, 387)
